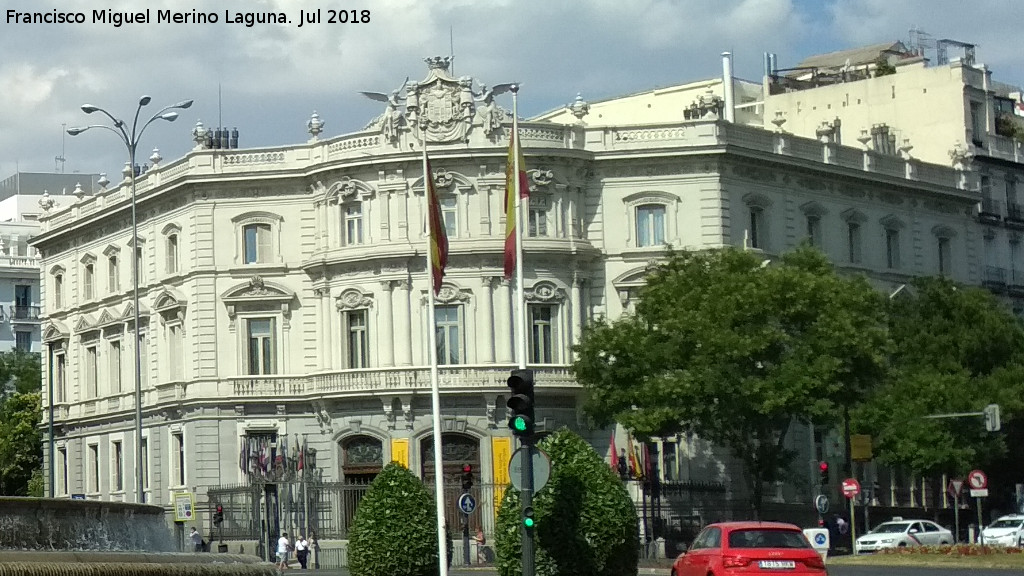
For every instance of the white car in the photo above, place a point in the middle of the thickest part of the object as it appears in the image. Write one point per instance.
(1006, 531)
(899, 532)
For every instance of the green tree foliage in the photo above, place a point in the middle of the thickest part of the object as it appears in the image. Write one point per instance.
(586, 521)
(21, 451)
(736, 351)
(955, 349)
(394, 531)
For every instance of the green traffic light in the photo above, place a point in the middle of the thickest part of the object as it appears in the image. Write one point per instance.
(528, 522)
(519, 423)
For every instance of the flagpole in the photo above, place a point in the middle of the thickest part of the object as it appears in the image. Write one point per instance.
(520, 224)
(435, 392)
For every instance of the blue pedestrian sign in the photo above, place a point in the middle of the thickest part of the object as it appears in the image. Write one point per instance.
(467, 504)
(819, 540)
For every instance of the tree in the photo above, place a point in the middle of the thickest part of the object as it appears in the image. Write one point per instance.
(735, 351)
(586, 522)
(394, 531)
(21, 451)
(955, 349)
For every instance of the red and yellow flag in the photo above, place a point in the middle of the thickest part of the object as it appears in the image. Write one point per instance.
(438, 232)
(510, 200)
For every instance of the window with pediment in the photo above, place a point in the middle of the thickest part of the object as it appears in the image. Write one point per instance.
(540, 208)
(854, 235)
(353, 305)
(262, 310)
(353, 211)
(88, 277)
(56, 289)
(651, 218)
(891, 230)
(55, 336)
(944, 236)
(349, 199)
(113, 254)
(171, 233)
(814, 214)
(756, 232)
(544, 304)
(449, 325)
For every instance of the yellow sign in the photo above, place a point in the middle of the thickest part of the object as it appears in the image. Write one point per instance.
(400, 451)
(860, 447)
(184, 506)
(501, 454)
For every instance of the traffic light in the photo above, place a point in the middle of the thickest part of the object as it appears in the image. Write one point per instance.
(528, 520)
(991, 413)
(823, 471)
(467, 477)
(218, 515)
(521, 403)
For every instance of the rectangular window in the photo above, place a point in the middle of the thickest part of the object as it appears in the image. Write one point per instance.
(358, 353)
(92, 376)
(542, 317)
(178, 458)
(449, 345)
(172, 254)
(650, 225)
(756, 231)
(143, 345)
(22, 296)
(449, 212)
(60, 377)
(814, 230)
(977, 123)
(353, 223)
(93, 462)
(87, 281)
(262, 350)
(853, 242)
(23, 340)
(538, 222)
(257, 243)
(892, 248)
(670, 469)
(945, 257)
(58, 290)
(140, 268)
(115, 367)
(113, 275)
(118, 469)
(145, 463)
(62, 471)
(174, 349)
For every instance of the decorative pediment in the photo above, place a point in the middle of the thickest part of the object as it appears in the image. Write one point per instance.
(634, 277)
(55, 331)
(891, 222)
(85, 323)
(943, 231)
(813, 208)
(853, 215)
(449, 294)
(353, 299)
(111, 250)
(88, 258)
(445, 180)
(106, 318)
(545, 292)
(349, 189)
(169, 299)
(258, 289)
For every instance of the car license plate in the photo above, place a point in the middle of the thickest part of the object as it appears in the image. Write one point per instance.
(777, 564)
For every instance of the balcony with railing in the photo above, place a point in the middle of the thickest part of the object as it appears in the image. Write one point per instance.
(24, 313)
(994, 278)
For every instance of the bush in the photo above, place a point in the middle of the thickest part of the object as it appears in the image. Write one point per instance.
(394, 531)
(954, 550)
(586, 522)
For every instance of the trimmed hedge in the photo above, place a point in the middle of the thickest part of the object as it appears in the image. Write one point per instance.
(586, 522)
(394, 531)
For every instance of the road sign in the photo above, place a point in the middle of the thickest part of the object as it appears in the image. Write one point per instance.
(821, 503)
(860, 447)
(541, 469)
(977, 480)
(851, 487)
(955, 488)
(467, 503)
(184, 506)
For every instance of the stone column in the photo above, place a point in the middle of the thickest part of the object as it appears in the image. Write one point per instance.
(328, 329)
(334, 231)
(485, 323)
(576, 304)
(321, 308)
(503, 323)
(403, 325)
(386, 326)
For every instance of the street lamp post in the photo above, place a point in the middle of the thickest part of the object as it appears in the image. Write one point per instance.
(131, 141)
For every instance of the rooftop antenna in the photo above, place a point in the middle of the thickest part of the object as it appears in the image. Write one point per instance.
(59, 160)
(451, 48)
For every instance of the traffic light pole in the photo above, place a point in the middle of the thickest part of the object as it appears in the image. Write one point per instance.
(526, 499)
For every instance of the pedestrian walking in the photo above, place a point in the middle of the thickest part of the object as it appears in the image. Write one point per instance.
(301, 551)
(197, 540)
(283, 545)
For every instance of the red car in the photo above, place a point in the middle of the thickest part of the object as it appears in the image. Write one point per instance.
(749, 548)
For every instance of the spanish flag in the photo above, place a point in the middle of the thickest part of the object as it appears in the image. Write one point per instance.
(438, 233)
(513, 185)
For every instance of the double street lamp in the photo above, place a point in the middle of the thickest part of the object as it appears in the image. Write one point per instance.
(131, 140)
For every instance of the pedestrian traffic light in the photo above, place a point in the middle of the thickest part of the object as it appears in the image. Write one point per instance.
(521, 403)
(528, 520)
(467, 477)
(823, 471)
(218, 515)
(992, 423)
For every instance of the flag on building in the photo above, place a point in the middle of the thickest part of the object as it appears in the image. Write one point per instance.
(302, 454)
(614, 461)
(648, 466)
(438, 233)
(511, 182)
(634, 464)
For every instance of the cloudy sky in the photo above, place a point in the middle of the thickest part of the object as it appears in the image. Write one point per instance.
(271, 77)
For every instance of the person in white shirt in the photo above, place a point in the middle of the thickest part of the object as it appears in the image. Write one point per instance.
(283, 544)
(301, 550)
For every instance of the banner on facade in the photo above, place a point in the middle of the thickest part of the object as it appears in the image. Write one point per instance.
(184, 506)
(400, 451)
